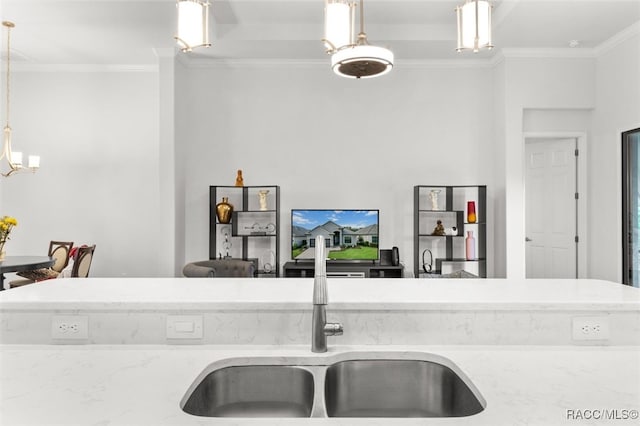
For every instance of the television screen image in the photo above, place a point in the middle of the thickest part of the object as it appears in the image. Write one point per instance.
(350, 235)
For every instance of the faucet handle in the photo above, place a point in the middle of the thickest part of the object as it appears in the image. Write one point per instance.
(333, 329)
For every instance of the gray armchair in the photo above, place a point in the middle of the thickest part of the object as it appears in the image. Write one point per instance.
(215, 268)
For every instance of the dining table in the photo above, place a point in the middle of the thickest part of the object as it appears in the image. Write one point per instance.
(23, 263)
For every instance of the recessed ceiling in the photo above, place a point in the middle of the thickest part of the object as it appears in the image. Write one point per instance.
(126, 32)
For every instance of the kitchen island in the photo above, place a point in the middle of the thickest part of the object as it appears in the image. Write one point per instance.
(143, 385)
(515, 340)
(278, 311)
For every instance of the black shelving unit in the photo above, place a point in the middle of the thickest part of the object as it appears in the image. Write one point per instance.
(253, 233)
(448, 252)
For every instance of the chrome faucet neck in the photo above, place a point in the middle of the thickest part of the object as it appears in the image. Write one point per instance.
(320, 329)
(320, 296)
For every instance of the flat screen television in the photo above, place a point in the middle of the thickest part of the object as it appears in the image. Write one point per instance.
(349, 235)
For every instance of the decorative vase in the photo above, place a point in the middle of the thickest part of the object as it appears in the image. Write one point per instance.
(471, 246)
(239, 179)
(262, 197)
(471, 212)
(226, 244)
(224, 210)
(433, 196)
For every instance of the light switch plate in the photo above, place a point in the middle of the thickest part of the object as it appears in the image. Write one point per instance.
(184, 326)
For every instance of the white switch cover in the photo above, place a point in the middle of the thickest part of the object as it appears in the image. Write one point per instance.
(184, 326)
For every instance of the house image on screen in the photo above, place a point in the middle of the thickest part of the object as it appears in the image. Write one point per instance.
(335, 236)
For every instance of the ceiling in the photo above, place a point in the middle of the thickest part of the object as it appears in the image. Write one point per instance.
(126, 32)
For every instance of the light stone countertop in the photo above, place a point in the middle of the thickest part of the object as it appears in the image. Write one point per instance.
(153, 294)
(142, 385)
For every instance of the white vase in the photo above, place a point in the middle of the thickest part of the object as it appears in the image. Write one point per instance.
(433, 197)
(262, 197)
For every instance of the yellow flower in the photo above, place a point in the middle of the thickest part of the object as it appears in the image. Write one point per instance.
(6, 225)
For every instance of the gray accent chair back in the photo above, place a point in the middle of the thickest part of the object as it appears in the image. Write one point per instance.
(216, 268)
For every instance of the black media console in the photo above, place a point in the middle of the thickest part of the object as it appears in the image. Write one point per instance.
(343, 270)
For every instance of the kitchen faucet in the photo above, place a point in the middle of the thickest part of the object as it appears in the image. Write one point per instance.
(320, 329)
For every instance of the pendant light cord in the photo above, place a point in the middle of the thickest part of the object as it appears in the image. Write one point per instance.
(9, 25)
(362, 37)
(361, 16)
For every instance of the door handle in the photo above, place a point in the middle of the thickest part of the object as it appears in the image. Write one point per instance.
(527, 239)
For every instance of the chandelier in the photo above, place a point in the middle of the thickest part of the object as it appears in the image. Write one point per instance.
(474, 25)
(193, 24)
(13, 158)
(351, 59)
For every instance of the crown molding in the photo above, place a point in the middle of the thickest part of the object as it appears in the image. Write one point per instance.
(445, 63)
(85, 68)
(566, 52)
(497, 59)
(249, 63)
(200, 62)
(624, 35)
(317, 63)
(165, 52)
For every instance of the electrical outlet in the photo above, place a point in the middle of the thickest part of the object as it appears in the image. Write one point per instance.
(591, 328)
(72, 327)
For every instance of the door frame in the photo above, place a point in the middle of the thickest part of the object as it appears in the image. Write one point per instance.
(581, 187)
(626, 178)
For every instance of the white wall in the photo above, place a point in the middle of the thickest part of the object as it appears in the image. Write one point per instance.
(543, 84)
(499, 177)
(335, 143)
(97, 135)
(182, 121)
(617, 89)
(557, 121)
(107, 175)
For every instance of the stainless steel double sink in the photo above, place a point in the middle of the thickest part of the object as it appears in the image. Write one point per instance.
(351, 384)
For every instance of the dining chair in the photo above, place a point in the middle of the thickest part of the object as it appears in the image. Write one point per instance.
(82, 259)
(59, 251)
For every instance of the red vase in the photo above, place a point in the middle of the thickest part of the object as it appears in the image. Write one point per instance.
(471, 212)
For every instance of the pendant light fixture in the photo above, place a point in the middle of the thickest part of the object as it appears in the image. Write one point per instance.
(13, 158)
(193, 24)
(338, 24)
(474, 25)
(351, 59)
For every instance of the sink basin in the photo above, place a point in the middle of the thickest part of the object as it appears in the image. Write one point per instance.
(253, 391)
(397, 388)
(349, 384)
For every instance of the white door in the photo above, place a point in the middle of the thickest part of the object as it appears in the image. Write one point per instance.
(550, 208)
